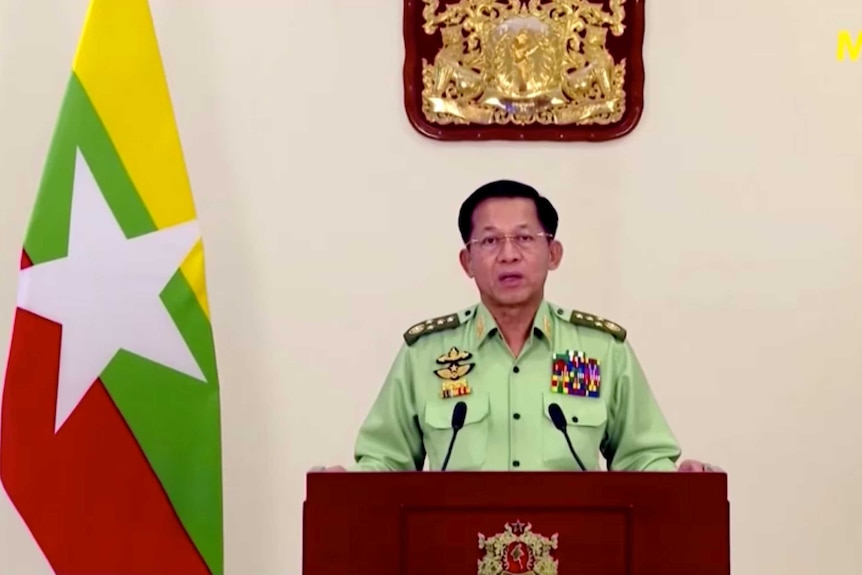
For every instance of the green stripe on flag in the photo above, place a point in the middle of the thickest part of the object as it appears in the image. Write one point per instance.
(78, 126)
(185, 309)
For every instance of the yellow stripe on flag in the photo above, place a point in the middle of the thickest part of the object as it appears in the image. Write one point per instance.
(119, 64)
(193, 269)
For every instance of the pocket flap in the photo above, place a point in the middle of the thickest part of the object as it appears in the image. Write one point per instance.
(579, 411)
(438, 412)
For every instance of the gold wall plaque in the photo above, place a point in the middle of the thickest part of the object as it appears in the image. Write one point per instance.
(524, 69)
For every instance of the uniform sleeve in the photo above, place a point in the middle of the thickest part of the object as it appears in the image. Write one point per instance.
(638, 436)
(390, 438)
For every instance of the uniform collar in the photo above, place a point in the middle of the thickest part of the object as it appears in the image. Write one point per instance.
(483, 326)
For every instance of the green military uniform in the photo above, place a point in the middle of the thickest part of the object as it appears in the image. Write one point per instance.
(577, 360)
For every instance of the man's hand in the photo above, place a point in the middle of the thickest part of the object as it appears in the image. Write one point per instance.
(324, 469)
(693, 466)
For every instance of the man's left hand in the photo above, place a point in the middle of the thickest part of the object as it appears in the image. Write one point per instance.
(693, 466)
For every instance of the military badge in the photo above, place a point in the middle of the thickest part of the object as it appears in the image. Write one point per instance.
(576, 374)
(453, 372)
(517, 551)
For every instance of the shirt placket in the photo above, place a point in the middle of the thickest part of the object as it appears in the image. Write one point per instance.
(521, 410)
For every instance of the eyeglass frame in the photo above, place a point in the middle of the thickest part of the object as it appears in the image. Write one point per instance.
(506, 238)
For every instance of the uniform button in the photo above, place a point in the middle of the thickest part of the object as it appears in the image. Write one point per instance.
(574, 419)
(517, 416)
(516, 369)
(516, 463)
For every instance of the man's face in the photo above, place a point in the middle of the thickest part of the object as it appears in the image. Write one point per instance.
(509, 270)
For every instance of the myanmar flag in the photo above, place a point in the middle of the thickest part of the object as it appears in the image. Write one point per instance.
(109, 427)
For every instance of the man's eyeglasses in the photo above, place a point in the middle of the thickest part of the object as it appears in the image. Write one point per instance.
(525, 241)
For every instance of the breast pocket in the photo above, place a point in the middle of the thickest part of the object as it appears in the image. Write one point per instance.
(586, 420)
(471, 445)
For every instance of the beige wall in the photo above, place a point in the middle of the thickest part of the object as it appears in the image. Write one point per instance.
(724, 233)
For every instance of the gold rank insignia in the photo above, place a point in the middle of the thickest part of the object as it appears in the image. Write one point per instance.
(518, 550)
(432, 325)
(454, 384)
(593, 321)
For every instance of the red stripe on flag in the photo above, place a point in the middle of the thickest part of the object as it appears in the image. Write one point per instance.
(25, 260)
(87, 493)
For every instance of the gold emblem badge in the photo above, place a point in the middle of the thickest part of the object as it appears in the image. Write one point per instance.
(480, 326)
(517, 551)
(453, 373)
(536, 63)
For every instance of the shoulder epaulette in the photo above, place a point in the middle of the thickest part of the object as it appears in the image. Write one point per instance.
(432, 325)
(596, 322)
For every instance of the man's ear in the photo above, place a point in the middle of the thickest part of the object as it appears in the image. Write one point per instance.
(466, 264)
(556, 254)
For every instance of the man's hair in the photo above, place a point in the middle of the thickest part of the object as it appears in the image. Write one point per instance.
(507, 189)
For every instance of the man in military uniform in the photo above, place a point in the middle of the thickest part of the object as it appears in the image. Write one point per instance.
(526, 372)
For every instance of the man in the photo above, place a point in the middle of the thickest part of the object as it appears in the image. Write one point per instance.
(524, 368)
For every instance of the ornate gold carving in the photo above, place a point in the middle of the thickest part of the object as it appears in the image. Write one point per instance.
(524, 62)
(517, 550)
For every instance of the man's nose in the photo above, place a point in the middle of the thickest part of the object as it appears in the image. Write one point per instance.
(508, 252)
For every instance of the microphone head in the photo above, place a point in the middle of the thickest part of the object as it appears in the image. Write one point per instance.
(459, 414)
(557, 416)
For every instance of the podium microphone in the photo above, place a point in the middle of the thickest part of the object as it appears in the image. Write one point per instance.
(556, 413)
(459, 414)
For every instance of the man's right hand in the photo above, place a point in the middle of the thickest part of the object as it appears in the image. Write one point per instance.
(323, 469)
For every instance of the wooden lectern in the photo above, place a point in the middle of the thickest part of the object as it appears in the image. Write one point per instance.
(518, 523)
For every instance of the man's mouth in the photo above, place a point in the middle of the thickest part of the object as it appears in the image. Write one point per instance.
(510, 278)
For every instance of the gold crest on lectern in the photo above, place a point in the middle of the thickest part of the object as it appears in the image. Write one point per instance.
(525, 69)
(518, 551)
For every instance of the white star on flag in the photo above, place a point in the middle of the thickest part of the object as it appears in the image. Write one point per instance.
(105, 294)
